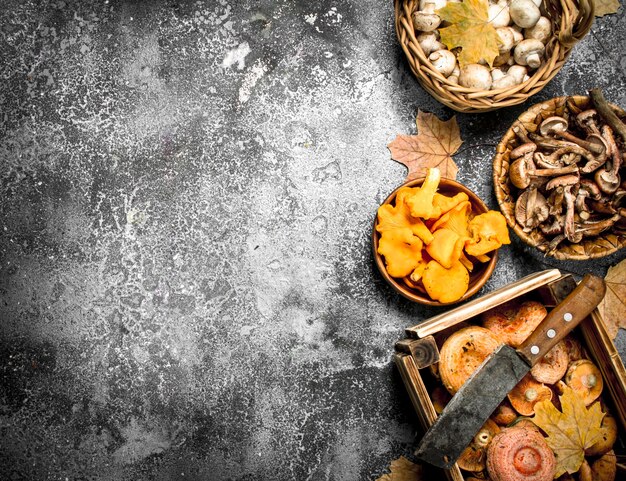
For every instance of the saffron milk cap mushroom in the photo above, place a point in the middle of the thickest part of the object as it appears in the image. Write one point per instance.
(520, 454)
(552, 366)
(474, 457)
(584, 377)
(527, 393)
(609, 436)
(462, 353)
(512, 322)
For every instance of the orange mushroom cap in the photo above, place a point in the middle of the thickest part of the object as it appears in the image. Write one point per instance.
(520, 454)
(445, 285)
(446, 247)
(584, 377)
(573, 348)
(474, 457)
(402, 251)
(514, 324)
(504, 413)
(609, 436)
(551, 367)
(605, 467)
(527, 393)
(462, 353)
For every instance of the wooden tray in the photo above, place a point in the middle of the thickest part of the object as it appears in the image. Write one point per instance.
(419, 349)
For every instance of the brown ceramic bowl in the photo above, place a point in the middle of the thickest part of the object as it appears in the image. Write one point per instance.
(481, 272)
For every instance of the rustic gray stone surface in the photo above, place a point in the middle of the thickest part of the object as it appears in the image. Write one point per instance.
(186, 196)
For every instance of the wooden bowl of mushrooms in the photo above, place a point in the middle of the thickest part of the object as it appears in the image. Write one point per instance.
(560, 180)
(435, 242)
(482, 55)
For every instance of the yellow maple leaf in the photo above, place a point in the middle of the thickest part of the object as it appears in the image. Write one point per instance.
(569, 432)
(432, 147)
(470, 29)
(613, 307)
(606, 7)
(402, 469)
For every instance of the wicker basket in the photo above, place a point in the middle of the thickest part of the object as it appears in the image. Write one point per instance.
(506, 194)
(571, 21)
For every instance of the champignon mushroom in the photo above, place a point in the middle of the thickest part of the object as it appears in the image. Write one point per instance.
(512, 323)
(426, 20)
(552, 366)
(437, 3)
(474, 457)
(506, 35)
(527, 393)
(585, 379)
(498, 14)
(529, 52)
(609, 436)
(541, 31)
(444, 61)
(475, 76)
(531, 209)
(518, 454)
(429, 42)
(524, 13)
(514, 76)
(462, 353)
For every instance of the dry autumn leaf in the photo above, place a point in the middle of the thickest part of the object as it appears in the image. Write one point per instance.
(569, 432)
(613, 307)
(433, 146)
(606, 7)
(402, 469)
(471, 30)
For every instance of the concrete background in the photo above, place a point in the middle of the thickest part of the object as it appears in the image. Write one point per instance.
(186, 196)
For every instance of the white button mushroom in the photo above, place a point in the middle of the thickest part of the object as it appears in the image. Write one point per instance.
(514, 76)
(507, 38)
(429, 41)
(426, 20)
(541, 31)
(524, 13)
(454, 76)
(438, 4)
(444, 61)
(475, 76)
(529, 52)
(498, 14)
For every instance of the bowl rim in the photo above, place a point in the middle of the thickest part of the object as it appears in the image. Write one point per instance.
(476, 283)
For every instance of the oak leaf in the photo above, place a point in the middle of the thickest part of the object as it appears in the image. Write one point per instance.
(606, 7)
(433, 146)
(402, 469)
(571, 431)
(613, 307)
(471, 30)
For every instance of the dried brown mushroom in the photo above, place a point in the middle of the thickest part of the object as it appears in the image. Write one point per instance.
(462, 353)
(527, 393)
(474, 457)
(512, 322)
(552, 366)
(609, 436)
(520, 454)
(585, 379)
(531, 209)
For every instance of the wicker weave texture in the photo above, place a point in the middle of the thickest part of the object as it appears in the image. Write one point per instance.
(590, 248)
(571, 21)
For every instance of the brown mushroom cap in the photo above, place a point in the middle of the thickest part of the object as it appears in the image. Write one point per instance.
(552, 366)
(605, 468)
(520, 454)
(462, 353)
(527, 393)
(504, 414)
(609, 436)
(474, 457)
(573, 348)
(512, 325)
(585, 379)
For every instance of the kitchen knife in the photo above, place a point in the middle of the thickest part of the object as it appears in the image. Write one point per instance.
(481, 394)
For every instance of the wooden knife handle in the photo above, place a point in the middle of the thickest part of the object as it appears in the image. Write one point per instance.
(563, 318)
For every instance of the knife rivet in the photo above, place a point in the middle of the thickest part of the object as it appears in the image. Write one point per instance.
(534, 350)
(551, 333)
(567, 316)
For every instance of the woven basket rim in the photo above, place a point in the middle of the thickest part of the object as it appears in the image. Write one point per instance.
(506, 201)
(574, 19)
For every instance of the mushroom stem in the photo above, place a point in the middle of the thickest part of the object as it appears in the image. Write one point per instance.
(607, 113)
(570, 230)
(594, 148)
